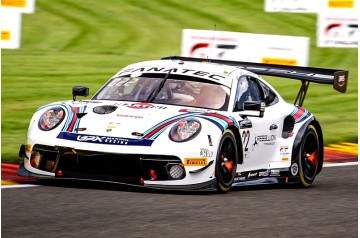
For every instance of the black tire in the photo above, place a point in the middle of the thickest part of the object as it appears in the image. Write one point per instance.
(309, 157)
(226, 161)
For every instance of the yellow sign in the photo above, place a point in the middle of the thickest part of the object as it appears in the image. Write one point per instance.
(195, 162)
(292, 62)
(5, 35)
(13, 3)
(341, 3)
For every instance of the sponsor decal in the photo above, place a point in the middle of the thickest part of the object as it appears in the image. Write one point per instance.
(252, 174)
(112, 125)
(102, 139)
(204, 152)
(13, 3)
(341, 80)
(294, 169)
(284, 153)
(195, 162)
(275, 172)
(139, 105)
(105, 140)
(5, 35)
(264, 174)
(130, 116)
(266, 139)
(280, 61)
(182, 71)
(341, 3)
(239, 179)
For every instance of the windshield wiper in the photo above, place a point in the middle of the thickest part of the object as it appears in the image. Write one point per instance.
(155, 92)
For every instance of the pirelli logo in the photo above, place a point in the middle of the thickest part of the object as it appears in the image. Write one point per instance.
(13, 3)
(341, 3)
(195, 162)
(280, 61)
(5, 35)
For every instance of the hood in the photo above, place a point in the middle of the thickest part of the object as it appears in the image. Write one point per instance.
(122, 119)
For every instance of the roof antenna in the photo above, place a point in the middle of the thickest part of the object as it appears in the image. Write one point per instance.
(212, 43)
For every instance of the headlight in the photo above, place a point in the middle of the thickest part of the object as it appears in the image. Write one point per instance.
(185, 130)
(51, 118)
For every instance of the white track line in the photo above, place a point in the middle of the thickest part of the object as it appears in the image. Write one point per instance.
(19, 186)
(340, 164)
(35, 185)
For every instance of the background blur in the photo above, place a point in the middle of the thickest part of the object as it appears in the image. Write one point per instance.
(85, 42)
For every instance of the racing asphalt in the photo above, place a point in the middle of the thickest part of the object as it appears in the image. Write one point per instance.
(329, 208)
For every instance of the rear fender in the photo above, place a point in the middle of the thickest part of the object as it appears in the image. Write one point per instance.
(298, 138)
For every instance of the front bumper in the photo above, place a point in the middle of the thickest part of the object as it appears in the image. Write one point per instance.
(153, 171)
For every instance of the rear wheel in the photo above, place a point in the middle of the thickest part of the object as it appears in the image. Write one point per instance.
(309, 156)
(226, 161)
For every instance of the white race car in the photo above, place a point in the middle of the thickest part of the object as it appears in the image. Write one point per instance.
(182, 123)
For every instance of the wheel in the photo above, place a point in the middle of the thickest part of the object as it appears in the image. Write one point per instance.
(226, 161)
(309, 157)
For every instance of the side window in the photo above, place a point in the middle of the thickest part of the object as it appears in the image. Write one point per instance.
(248, 89)
(270, 97)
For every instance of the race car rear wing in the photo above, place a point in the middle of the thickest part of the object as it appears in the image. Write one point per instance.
(338, 78)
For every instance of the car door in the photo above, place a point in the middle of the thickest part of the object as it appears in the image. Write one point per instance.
(258, 133)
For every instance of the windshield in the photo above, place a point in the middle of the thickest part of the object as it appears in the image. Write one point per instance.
(173, 92)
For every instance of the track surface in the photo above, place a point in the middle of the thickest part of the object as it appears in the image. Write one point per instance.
(327, 209)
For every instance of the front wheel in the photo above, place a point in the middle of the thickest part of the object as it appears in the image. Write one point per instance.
(226, 161)
(309, 156)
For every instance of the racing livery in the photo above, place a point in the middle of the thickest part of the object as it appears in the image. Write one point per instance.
(182, 123)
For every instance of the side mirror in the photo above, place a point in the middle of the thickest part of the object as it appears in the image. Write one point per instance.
(251, 107)
(80, 91)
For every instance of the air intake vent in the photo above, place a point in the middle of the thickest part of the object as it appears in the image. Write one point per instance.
(104, 109)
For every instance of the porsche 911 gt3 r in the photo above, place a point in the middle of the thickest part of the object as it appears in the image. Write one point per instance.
(182, 123)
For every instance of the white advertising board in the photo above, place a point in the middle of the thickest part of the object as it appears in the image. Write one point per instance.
(338, 29)
(306, 6)
(236, 46)
(23, 6)
(10, 27)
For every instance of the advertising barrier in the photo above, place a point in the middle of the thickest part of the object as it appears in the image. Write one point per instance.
(259, 48)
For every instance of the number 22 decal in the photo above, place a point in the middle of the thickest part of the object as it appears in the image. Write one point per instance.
(246, 137)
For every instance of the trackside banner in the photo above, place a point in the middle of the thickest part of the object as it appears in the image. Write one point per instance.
(259, 48)
(22, 6)
(10, 21)
(10, 26)
(306, 6)
(338, 29)
(309, 6)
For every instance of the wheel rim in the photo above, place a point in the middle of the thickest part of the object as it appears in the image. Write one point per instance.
(227, 161)
(310, 156)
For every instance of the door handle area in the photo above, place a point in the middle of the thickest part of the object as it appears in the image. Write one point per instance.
(245, 124)
(273, 127)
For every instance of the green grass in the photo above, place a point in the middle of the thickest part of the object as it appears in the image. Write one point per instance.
(84, 42)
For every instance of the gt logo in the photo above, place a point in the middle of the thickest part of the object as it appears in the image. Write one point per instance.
(201, 50)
